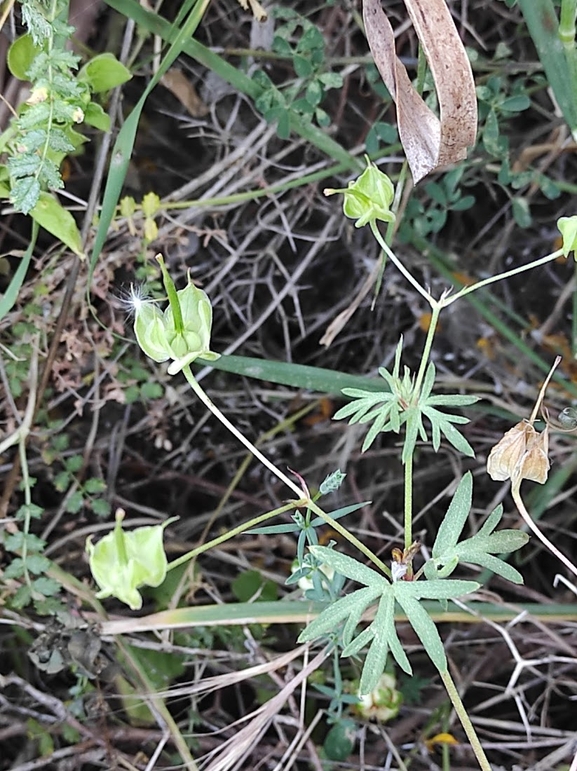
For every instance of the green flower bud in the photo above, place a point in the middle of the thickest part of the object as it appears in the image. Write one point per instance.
(568, 228)
(383, 702)
(182, 331)
(369, 197)
(123, 561)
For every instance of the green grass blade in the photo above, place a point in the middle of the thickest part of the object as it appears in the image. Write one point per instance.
(300, 611)
(325, 381)
(124, 144)
(559, 64)
(10, 295)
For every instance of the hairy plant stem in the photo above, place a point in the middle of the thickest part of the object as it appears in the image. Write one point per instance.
(436, 309)
(408, 504)
(516, 494)
(230, 534)
(448, 300)
(465, 720)
(301, 494)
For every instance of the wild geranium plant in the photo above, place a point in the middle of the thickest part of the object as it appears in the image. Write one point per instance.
(408, 406)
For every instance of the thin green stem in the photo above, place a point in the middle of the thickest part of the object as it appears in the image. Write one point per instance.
(27, 503)
(446, 301)
(433, 323)
(574, 319)
(350, 538)
(409, 276)
(408, 502)
(465, 720)
(567, 23)
(302, 495)
(230, 534)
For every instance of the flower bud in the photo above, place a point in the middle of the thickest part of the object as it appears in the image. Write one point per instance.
(369, 197)
(568, 228)
(182, 331)
(383, 702)
(123, 561)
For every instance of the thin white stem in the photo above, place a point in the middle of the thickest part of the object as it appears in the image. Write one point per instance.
(446, 301)
(516, 493)
(409, 276)
(541, 396)
(209, 404)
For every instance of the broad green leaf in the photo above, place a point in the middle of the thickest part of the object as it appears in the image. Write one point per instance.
(95, 116)
(104, 72)
(53, 217)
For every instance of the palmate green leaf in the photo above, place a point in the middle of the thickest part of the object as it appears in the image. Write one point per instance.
(349, 567)
(454, 520)
(365, 597)
(361, 641)
(376, 658)
(330, 618)
(480, 548)
(441, 423)
(424, 627)
(452, 400)
(365, 401)
(435, 589)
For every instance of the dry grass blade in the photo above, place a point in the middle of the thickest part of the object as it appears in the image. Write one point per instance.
(428, 141)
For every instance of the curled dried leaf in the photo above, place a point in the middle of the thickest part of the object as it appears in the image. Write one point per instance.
(428, 142)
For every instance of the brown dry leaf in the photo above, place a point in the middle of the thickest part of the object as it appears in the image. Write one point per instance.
(428, 141)
(181, 87)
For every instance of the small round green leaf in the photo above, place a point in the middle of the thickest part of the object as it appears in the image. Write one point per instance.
(104, 72)
(21, 54)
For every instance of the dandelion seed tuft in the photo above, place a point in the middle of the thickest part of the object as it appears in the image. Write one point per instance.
(134, 298)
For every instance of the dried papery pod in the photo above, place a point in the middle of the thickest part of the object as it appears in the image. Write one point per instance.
(534, 465)
(520, 454)
(507, 453)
